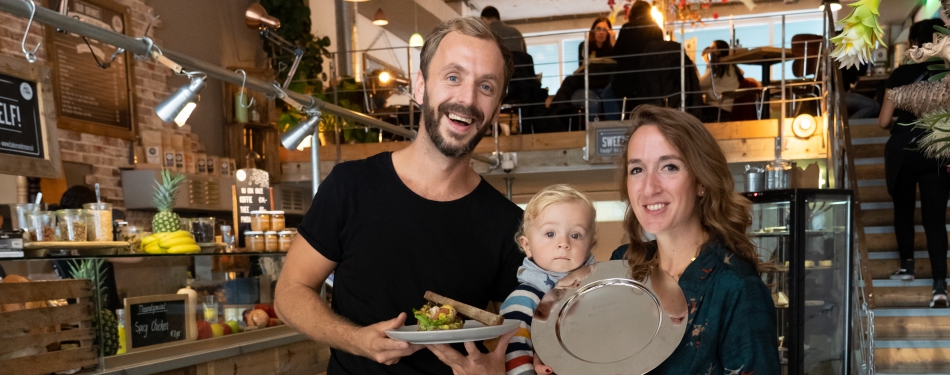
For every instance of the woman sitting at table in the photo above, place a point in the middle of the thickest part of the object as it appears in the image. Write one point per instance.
(719, 78)
(679, 188)
(601, 38)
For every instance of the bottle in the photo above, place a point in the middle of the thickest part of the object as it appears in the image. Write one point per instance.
(120, 316)
(190, 305)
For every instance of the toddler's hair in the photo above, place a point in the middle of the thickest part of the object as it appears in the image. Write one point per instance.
(558, 193)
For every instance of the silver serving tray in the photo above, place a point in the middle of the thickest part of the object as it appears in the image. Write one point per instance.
(598, 320)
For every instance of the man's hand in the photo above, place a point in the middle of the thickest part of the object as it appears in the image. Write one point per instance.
(475, 363)
(371, 342)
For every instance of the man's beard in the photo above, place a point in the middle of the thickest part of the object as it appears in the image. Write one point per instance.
(432, 124)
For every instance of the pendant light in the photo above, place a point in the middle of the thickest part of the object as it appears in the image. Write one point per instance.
(380, 18)
(416, 39)
(835, 5)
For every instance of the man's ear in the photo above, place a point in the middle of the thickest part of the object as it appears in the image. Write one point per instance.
(419, 89)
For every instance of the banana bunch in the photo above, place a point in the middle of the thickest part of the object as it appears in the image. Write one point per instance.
(178, 242)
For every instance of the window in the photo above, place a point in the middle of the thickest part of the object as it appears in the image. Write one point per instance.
(547, 63)
(569, 56)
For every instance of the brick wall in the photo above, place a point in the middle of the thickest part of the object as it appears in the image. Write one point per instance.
(104, 154)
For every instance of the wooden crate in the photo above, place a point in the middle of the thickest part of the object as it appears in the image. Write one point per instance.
(29, 328)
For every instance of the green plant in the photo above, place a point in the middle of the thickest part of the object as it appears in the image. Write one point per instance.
(294, 16)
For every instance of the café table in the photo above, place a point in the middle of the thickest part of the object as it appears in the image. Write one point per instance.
(764, 57)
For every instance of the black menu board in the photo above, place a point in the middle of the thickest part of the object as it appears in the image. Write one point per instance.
(156, 320)
(89, 98)
(251, 193)
(20, 129)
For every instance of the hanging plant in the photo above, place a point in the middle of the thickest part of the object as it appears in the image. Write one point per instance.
(294, 16)
(860, 36)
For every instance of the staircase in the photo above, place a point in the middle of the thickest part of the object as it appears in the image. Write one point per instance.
(909, 337)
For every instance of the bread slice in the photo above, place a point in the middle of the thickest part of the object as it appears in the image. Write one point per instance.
(475, 313)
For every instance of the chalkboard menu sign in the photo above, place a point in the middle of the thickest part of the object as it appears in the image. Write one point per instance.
(159, 320)
(20, 132)
(92, 99)
(29, 143)
(251, 193)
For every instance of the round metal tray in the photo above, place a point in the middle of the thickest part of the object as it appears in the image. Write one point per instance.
(598, 320)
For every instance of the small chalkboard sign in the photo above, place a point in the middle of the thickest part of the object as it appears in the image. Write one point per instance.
(156, 321)
(606, 140)
(251, 193)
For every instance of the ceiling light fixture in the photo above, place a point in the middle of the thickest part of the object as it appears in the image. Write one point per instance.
(835, 5)
(183, 102)
(380, 18)
(416, 39)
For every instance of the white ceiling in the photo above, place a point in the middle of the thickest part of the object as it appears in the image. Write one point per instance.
(522, 9)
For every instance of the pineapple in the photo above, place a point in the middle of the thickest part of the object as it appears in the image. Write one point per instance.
(165, 194)
(105, 324)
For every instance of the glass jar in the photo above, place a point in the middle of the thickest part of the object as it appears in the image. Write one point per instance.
(284, 238)
(41, 225)
(72, 225)
(260, 221)
(270, 242)
(185, 223)
(203, 229)
(21, 210)
(133, 235)
(99, 221)
(277, 222)
(254, 241)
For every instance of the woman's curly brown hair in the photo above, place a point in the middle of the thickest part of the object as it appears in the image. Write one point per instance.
(724, 214)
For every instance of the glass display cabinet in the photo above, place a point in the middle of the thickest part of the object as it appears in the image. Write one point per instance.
(805, 234)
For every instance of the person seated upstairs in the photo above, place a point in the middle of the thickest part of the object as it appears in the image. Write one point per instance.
(718, 79)
(601, 40)
(510, 36)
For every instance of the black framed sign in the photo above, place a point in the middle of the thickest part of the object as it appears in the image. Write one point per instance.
(29, 142)
(156, 321)
(252, 192)
(606, 140)
(92, 99)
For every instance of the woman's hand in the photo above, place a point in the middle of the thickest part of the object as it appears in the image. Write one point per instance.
(540, 367)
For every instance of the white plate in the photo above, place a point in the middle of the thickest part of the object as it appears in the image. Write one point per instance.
(473, 331)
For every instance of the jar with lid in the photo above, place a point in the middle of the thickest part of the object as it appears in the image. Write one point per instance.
(99, 221)
(254, 241)
(41, 225)
(271, 242)
(260, 221)
(284, 238)
(133, 235)
(203, 229)
(277, 222)
(72, 225)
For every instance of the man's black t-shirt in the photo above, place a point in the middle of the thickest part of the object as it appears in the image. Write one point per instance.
(391, 246)
(905, 75)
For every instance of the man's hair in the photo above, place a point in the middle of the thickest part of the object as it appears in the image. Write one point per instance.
(77, 196)
(491, 12)
(469, 26)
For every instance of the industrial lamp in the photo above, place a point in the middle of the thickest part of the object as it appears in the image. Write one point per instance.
(255, 17)
(179, 106)
(835, 5)
(804, 125)
(292, 138)
(385, 77)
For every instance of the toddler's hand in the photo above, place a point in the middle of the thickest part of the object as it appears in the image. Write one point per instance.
(540, 367)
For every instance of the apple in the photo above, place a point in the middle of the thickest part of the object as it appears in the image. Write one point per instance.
(235, 327)
(268, 308)
(257, 319)
(204, 330)
(244, 315)
(273, 322)
(217, 330)
(226, 329)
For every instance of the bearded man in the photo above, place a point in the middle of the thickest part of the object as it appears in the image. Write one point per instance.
(398, 224)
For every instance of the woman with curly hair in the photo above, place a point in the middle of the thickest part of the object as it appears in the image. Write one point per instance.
(678, 188)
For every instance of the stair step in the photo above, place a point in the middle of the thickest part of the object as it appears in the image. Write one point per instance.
(869, 172)
(890, 229)
(868, 151)
(911, 324)
(876, 193)
(884, 217)
(888, 255)
(898, 293)
(859, 131)
(883, 242)
(882, 268)
(906, 360)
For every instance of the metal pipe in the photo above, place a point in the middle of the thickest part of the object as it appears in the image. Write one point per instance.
(140, 47)
(683, 67)
(587, 39)
(508, 182)
(781, 123)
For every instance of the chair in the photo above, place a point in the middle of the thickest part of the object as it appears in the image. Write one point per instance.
(526, 96)
(807, 50)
